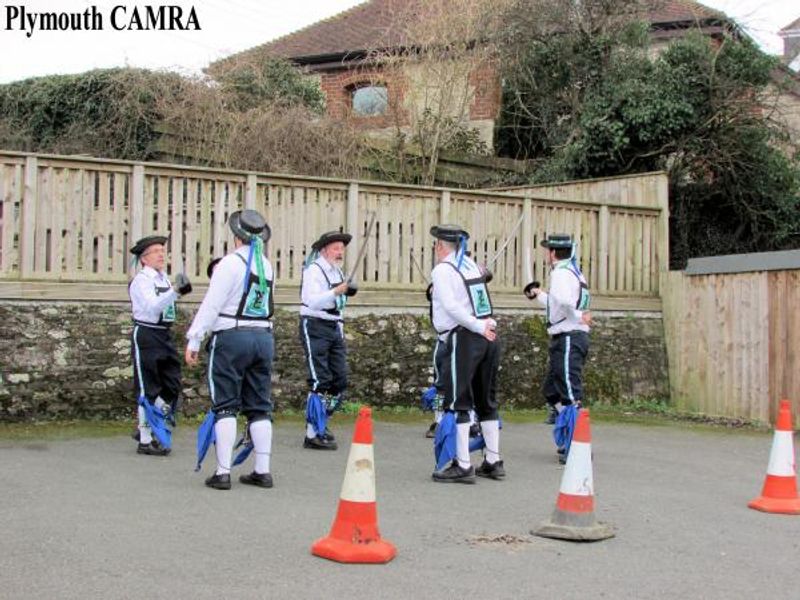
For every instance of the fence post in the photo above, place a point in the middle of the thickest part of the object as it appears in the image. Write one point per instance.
(603, 225)
(250, 191)
(136, 208)
(527, 235)
(27, 225)
(444, 206)
(352, 225)
(662, 250)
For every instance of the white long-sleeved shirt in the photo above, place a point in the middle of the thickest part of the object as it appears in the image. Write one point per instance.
(224, 295)
(316, 294)
(451, 302)
(561, 300)
(151, 293)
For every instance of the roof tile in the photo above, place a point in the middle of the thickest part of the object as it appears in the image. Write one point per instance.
(368, 25)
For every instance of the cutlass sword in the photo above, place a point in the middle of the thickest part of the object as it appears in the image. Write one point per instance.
(419, 268)
(362, 251)
(508, 239)
(529, 275)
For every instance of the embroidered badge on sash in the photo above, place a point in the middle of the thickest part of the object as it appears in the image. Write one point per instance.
(257, 302)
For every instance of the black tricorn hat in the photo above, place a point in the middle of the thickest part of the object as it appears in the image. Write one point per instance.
(329, 237)
(247, 223)
(144, 243)
(211, 265)
(449, 233)
(558, 240)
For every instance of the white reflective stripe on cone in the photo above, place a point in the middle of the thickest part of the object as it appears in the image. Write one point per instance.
(359, 478)
(577, 478)
(781, 458)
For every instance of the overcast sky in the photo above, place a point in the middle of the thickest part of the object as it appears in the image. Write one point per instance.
(229, 26)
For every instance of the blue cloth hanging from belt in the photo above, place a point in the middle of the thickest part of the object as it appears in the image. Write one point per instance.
(316, 414)
(246, 445)
(157, 422)
(428, 398)
(444, 442)
(205, 437)
(478, 442)
(565, 426)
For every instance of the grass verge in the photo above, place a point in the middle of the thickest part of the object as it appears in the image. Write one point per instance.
(646, 413)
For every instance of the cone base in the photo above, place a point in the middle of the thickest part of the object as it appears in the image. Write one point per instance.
(785, 506)
(379, 551)
(590, 533)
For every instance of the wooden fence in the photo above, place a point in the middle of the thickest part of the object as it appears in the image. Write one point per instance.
(733, 341)
(73, 219)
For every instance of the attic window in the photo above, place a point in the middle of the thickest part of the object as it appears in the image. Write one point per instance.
(370, 100)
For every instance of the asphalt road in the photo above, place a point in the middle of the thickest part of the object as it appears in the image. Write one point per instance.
(92, 519)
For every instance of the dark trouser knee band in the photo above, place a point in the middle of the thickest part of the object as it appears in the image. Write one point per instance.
(492, 415)
(258, 416)
(462, 416)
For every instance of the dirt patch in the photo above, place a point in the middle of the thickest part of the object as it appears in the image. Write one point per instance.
(505, 540)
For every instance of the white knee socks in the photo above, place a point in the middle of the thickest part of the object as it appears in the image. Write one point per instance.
(310, 431)
(491, 436)
(145, 436)
(261, 434)
(161, 405)
(225, 430)
(462, 445)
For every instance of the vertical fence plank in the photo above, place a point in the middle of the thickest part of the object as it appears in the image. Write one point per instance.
(662, 186)
(88, 184)
(57, 209)
(206, 242)
(72, 221)
(251, 187)
(136, 203)
(11, 196)
(193, 267)
(382, 230)
(218, 231)
(280, 244)
(177, 259)
(118, 250)
(351, 223)
(44, 220)
(103, 222)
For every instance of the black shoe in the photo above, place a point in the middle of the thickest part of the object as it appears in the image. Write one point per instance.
(492, 471)
(431, 433)
(475, 430)
(328, 435)
(561, 450)
(562, 459)
(219, 482)
(153, 449)
(455, 473)
(318, 443)
(260, 479)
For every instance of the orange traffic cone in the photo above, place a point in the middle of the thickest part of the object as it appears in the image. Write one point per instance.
(573, 517)
(780, 487)
(354, 536)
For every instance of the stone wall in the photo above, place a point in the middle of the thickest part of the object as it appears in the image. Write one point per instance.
(63, 360)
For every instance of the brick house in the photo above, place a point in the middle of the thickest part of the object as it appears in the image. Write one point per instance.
(791, 44)
(334, 50)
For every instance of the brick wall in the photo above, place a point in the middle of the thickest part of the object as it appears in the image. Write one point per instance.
(486, 102)
(338, 85)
